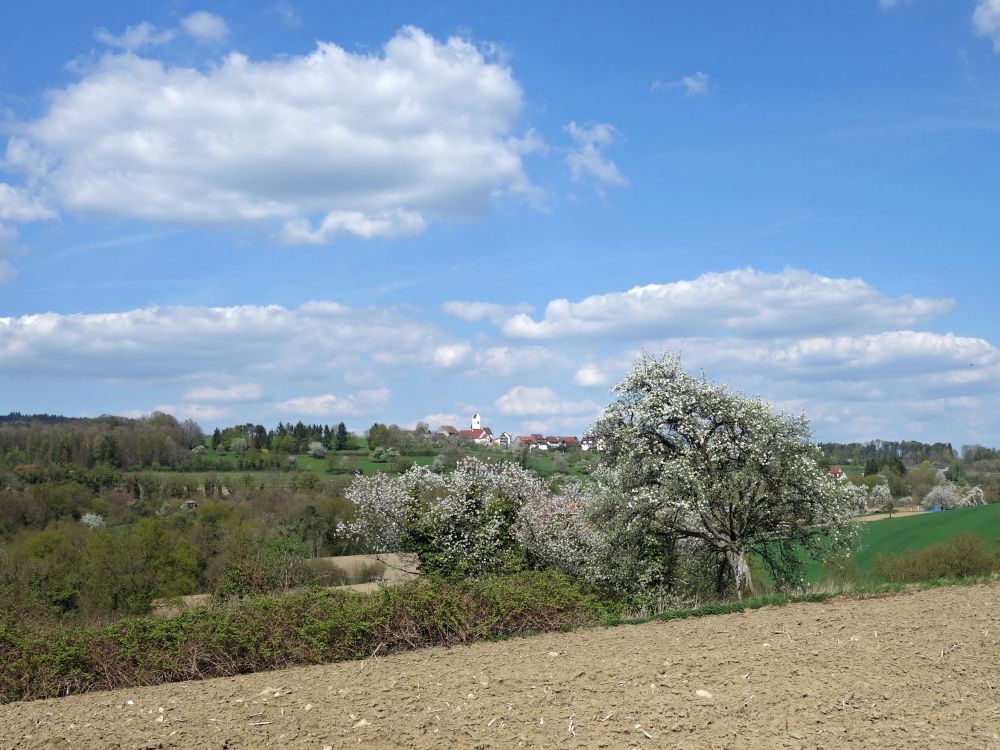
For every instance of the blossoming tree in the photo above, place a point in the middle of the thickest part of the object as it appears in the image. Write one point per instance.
(701, 466)
(462, 523)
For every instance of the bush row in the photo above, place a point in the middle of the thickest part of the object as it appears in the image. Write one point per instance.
(965, 556)
(268, 633)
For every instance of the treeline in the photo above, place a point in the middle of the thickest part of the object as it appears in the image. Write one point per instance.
(909, 452)
(156, 441)
(301, 437)
(16, 417)
(284, 438)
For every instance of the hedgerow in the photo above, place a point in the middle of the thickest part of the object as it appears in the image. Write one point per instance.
(273, 632)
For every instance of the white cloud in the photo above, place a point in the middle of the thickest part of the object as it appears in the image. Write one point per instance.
(476, 311)
(986, 21)
(696, 84)
(357, 404)
(586, 160)
(312, 147)
(134, 37)
(558, 425)
(244, 341)
(339, 223)
(235, 392)
(890, 4)
(439, 419)
(502, 361)
(522, 399)
(890, 355)
(451, 355)
(17, 204)
(197, 412)
(592, 375)
(741, 302)
(206, 28)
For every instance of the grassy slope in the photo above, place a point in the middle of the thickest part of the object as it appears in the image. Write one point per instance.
(893, 536)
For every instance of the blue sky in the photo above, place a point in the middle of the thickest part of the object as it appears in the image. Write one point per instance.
(374, 211)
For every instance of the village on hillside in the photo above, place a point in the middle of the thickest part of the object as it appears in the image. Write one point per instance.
(484, 436)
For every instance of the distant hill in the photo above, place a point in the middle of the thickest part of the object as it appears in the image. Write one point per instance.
(16, 417)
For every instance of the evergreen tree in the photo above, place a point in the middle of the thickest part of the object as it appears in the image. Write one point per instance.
(340, 441)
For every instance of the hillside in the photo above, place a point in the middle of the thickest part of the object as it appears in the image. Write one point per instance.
(912, 670)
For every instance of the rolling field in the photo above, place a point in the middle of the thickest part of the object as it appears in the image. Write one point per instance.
(893, 536)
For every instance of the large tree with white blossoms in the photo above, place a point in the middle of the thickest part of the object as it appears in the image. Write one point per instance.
(701, 468)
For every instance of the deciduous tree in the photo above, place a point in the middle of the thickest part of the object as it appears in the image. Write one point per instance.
(699, 463)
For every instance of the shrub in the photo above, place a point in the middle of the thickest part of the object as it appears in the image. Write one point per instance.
(964, 556)
(254, 567)
(267, 633)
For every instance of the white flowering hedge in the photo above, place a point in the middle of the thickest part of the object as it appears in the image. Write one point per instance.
(463, 523)
(948, 496)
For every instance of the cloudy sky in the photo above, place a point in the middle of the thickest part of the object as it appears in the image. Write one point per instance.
(394, 211)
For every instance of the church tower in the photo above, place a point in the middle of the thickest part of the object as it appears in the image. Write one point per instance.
(476, 423)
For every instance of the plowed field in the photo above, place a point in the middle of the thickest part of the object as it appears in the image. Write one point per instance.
(918, 670)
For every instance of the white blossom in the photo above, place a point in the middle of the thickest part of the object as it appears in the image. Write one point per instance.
(93, 520)
(698, 464)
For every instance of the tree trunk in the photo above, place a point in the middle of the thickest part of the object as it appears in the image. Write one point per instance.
(741, 572)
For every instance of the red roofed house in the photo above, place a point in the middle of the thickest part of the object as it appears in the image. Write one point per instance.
(482, 436)
(837, 473)
(532, 441)
(447, 430)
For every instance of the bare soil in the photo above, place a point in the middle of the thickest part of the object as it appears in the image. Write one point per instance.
(915, 670)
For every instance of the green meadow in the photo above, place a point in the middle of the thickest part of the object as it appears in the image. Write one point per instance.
(909, 532)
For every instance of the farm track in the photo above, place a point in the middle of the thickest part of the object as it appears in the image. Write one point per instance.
(915, 670)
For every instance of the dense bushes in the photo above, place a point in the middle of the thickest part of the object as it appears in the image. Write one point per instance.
(964, 556)
(268, 633)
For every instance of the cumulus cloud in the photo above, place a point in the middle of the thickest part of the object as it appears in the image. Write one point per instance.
(206, 28)
(339, 223)
(235, 392)
(592, 375)
(522, 399)
(586, 160)
(696, 84)
(451, 355)
(745, 301)
(476, 311)
(502, 361)
(986, 21)
(19, 205)
(134, 37)
(816, 359)
(315, 147)
(204, 341)
(356, 404)
(557, 425)
(198, 412)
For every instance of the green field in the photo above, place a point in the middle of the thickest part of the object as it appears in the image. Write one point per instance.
(893, 536)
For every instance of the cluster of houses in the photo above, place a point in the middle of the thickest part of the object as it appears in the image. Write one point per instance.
(484, 436)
